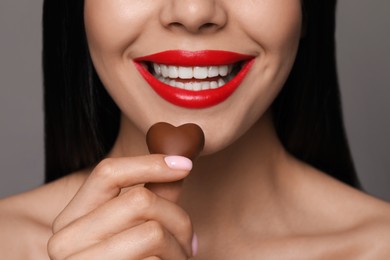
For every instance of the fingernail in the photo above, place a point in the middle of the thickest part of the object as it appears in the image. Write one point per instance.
(178, 162)
(194, 245)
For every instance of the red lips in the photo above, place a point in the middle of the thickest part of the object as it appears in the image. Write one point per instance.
(189, 98)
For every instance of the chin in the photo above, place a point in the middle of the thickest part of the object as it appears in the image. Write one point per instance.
(217, 140)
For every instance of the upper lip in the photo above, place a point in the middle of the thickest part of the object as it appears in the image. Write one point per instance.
(194, 58)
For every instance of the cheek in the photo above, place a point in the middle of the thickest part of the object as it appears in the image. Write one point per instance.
(275, 28)
(112, 25)
(274, 24)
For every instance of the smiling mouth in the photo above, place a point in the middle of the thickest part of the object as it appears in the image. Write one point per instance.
(194, 78)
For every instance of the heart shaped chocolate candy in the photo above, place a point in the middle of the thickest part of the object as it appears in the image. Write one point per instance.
(186, 140)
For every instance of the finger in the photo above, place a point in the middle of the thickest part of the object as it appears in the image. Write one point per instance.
(131, 209)
(147, 240)
(169, 191)
(152, 258)
(111, 175)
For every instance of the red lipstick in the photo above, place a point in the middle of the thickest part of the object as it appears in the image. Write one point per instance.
(191, 98)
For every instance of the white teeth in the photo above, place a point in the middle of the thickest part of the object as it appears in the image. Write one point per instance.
(172, 83)
(221, 82)
(197, 86)
(223, 70)
(213, 84)
(173, 72)
(213, 71)
(185, 73)
(164, 71)
(200, 72)
(205, 85)
(188, 86)
(168, 73)
(180, 85)
(196, 72)
(157, 68)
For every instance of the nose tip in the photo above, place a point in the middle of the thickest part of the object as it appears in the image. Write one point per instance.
(194, 16)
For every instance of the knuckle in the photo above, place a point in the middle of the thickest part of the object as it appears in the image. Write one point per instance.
(142, 197)
(185, 223)
(104, 169)
(153, 258)
(57, 224)
(156, 233)
(55, 248)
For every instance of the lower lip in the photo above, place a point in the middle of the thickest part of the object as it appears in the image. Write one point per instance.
(194, 99)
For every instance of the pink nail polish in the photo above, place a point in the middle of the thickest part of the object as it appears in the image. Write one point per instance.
(195, 245)
(178, 162)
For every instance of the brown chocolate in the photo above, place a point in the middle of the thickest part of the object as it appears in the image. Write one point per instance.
(186, 140)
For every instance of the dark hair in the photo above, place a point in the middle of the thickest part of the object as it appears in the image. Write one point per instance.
(82, 121)
(307, 112)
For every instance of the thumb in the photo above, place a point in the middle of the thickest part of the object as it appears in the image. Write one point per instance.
(171, 190)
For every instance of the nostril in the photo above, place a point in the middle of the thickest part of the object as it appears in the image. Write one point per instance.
(203, 28)
(207, 26)
(193, 16)
(176, 25)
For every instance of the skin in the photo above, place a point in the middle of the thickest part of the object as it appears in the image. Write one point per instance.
(245, 197)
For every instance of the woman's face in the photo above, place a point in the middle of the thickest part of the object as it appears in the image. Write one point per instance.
(225, 59)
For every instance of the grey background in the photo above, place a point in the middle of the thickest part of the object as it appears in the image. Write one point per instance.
(363, 39)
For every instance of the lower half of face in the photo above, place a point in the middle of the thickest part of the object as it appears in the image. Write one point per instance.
(219, 64)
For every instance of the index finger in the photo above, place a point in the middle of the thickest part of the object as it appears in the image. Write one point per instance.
(112, 175)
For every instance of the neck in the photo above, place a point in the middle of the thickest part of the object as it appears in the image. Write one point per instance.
(130, 141)
(240, 185)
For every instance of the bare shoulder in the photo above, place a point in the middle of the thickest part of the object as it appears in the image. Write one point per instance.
(367, 240)
(354, 224)
(370, 236)
(330, 220)
(361, 206)
(22, 237)
(363, 242)
(25, 219)
(375, 236)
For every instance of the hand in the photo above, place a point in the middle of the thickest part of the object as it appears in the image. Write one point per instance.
(113, 216)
